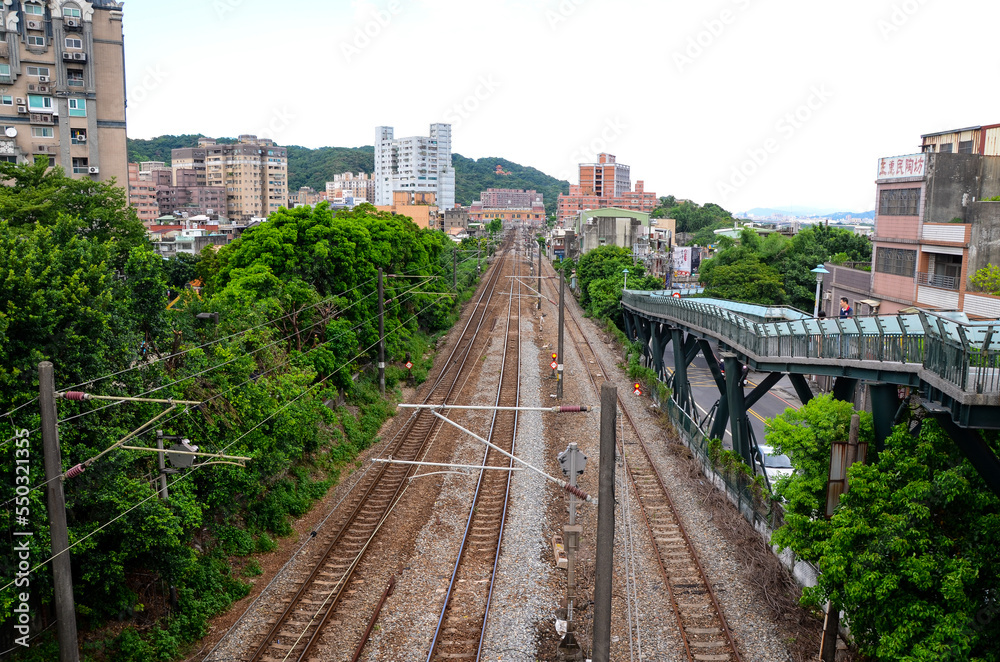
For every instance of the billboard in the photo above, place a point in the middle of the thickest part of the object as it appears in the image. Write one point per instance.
(898, 167)
(682, 261)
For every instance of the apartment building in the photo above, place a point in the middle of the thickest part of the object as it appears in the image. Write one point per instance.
(510, 198)
(532, 211)
(192, 158)
(606, 183)
(414, 164)
(178, 193)
(359, 186)
(418, 205)
(982, 140)
(253, 172)
(934, 227)
(142, 193)
(62, 86)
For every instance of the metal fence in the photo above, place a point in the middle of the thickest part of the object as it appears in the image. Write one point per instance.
(965, 354)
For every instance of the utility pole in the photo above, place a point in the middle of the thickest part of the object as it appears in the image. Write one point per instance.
(562, 305)
(62, 573)
(539, 275)
(381, 334)
(604, 567)
(573, 463)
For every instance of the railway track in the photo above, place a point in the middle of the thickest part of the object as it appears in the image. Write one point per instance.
(700, 620)
(323, 587)
(462, 620)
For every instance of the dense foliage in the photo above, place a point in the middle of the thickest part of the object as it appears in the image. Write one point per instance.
(296, 301)
(601, 278)
(917, 530)
(692, 217)
(473, 176)
(776, 269)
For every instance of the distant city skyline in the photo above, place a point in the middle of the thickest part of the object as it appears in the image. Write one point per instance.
(742, 103)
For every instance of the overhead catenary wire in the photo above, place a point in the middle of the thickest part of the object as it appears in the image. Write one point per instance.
(190, 473)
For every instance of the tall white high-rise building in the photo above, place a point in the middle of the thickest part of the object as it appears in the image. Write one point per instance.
(415, 164)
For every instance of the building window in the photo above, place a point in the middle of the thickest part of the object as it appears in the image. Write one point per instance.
(945, 148)
(896, 261)
(74, 78)
(80, 166)
(42, 132)
(899, 202)
(5, 74)
(6, 100)
(77, 107)
(37, 102)
(79, 136)
(73, 42)
(34, 10)
(35, 41)
(965, 147)
(8, 159)
(38, 71)
(71, 12)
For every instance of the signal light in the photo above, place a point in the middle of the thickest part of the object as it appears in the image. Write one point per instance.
(554, 356)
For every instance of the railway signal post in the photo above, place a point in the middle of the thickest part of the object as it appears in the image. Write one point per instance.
(562, 306)
(573, 462)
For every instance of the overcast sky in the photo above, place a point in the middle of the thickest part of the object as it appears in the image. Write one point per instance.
(745, 103)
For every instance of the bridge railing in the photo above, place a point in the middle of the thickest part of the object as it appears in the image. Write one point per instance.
(965, 354)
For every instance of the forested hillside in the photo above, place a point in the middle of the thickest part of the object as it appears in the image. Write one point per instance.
(315, 167)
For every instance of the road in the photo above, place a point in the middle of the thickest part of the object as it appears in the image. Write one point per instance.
(706, 393)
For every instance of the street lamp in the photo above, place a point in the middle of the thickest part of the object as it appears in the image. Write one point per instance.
(625, 271)
(819, 271)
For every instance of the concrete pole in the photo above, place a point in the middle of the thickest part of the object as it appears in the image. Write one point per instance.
(62, 573)
(562, 356)
(571, 535)
(539, 275)
(604, 569)
(819, 281)
(381, 334)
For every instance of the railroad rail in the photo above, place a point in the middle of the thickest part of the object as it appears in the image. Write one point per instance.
(294, 634)
(462, 620)
(700, 619)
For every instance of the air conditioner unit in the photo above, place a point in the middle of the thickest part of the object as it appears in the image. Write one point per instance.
(81, 138)
(43, 89)
(43, 79)
(22, 110)
(32, 88)
(67, 56)
(80, 56)
(20, 101)
(72, 23)
(34, 25)
(94, 170)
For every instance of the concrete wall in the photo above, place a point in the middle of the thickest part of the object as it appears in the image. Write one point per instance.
(952, 179)
(985, 245)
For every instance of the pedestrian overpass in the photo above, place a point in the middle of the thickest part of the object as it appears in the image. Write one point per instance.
(952, 362)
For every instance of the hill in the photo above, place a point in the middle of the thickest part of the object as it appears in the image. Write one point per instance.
(315, 167)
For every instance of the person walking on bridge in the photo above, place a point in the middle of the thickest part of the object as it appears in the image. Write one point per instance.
(845, 308)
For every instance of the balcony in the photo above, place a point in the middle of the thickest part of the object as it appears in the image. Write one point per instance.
(938, 280)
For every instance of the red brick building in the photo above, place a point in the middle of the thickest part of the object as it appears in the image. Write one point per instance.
(604, 184)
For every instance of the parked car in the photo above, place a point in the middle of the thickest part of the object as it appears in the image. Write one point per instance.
(775, 465)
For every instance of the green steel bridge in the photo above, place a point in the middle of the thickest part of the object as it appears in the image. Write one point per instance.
(952, 362)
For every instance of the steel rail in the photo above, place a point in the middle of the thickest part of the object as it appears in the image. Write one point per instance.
(449, 593)
(666, 494)
(449, 367)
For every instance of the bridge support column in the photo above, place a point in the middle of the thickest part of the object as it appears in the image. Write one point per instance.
(629, 325)
(844, 388)
(642, 326)
(738, 423)
(973, 446)
(801, 387)
(682, 387)
(661, 336)
(722, 410)
(885, 404)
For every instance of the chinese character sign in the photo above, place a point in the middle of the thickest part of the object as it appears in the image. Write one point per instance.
(896, 167)
(682, 261)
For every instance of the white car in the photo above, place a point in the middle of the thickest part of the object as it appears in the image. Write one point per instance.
(775, 465)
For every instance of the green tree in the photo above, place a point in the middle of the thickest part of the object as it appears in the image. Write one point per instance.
(912, 553)
(987, 279)
(179, 270)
